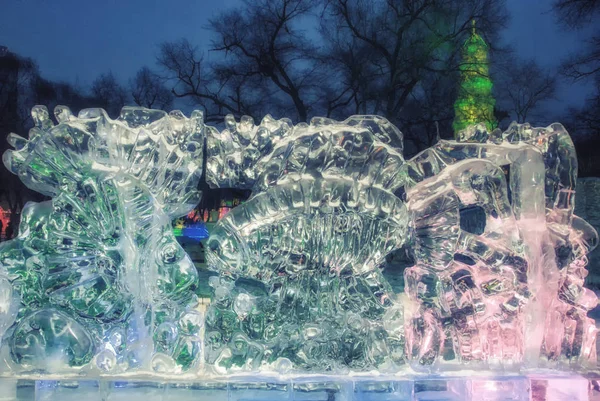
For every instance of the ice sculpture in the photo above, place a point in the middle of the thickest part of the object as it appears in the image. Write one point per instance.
(314, 234)
(507, 292)
(97, 279)
(232, 153)
(510, 292)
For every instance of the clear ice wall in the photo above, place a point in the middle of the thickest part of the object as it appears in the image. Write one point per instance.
(96, 284)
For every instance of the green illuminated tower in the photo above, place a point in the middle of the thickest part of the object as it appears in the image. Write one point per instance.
(475, 102)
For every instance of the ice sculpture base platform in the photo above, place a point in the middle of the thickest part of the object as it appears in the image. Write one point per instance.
(532, 387)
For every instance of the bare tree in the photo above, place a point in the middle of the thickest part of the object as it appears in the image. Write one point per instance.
(260, 57)
(195, 79)
(590, 115)
(148, 90)
(375, 58)
(22, 87)
(263, 41)
(524, 87)
(110, 94)
(401, 44)
(585, 121)
(576, 13)
(18, 76)
(428, 112)
(51, 94)
(585, 64)
(347, 88)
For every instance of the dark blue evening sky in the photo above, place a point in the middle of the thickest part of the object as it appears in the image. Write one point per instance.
(535, 34)
(80, 39)
(76, 40)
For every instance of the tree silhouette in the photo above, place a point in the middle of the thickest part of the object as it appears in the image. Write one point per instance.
(524, 87)
(111, 95)
(195, 79)
(392, 53)
(585, 64)
(262, 44)
(148, 90)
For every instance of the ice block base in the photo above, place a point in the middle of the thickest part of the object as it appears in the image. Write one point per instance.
(534, 387)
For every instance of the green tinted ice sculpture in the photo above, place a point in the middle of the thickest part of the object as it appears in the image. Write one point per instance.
(95, 278)
(312, 237)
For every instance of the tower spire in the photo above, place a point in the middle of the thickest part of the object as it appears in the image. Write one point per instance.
(475, 102)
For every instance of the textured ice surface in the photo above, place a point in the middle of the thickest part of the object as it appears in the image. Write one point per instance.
(243, 151)
(512, 293)
(100, 281)
(95, 282)
(313, 235)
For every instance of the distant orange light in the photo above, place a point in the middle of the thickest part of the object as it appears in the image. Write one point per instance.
(223, 211)
(5, 219)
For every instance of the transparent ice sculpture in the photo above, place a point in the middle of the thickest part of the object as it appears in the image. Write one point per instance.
(312, 237)
(97, 280)
(96, 283)
(509, 292)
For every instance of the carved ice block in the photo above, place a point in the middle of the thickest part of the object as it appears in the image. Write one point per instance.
(96, 284)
